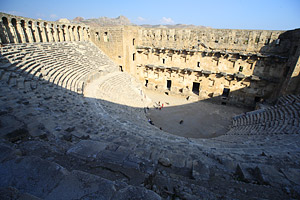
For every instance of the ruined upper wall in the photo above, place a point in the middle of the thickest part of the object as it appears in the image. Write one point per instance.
(15, 29)
(118, 42)
(110, 41)
(263, 41)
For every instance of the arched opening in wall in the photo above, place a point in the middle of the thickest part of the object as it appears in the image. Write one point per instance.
(73, 33)
(63, 33)
(69, 29)
(46, 33)
(97, 36)
(196, 88)
(169, 84)
(133, 56)
(39, 31)
(52, 32)
(133, 41)
(84, 33)
(14, 23)
(121, 68)
(3, 35)
(24, 31)
(78, 32)
(146, 83)
(164, 61)
(31, 31)
(105, 37)
(57, 32)
(9, 34)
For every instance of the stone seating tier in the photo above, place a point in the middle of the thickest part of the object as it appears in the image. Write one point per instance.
(65, 64)
(278, 119)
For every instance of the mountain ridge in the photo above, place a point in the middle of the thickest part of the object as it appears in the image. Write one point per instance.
(122, 20)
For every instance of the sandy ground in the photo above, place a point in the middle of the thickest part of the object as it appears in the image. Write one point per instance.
(200, 119)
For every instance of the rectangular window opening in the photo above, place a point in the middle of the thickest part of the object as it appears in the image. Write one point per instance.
(198, 64)
(241, 69)
(133, 56)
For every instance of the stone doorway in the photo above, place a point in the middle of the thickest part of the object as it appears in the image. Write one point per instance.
(169, 84)
(196, 88)
(226, 92)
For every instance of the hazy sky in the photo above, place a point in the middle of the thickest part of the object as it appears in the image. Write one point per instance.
(231, 14)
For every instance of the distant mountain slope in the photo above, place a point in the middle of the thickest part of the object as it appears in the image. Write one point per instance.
(173, 26)
(104, 21)
(122, 20)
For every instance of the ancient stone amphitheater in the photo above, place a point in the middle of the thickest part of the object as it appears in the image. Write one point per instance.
(73, 123)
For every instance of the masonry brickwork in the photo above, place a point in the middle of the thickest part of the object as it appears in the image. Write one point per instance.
(233, 66)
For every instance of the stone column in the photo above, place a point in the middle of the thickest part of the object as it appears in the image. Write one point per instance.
(36, 32)
(85, 37)
(49, 33)
(12, 29)
(55, 33)
(76, 33)
(81, 34)
(71, 33)
(61, 34)
(43, 32)
(67, 34)
(4, 33)
(28, 29)
(21, 32)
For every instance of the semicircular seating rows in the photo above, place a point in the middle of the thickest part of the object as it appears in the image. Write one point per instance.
(65, 64)
(100, 149)
(282, 118)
